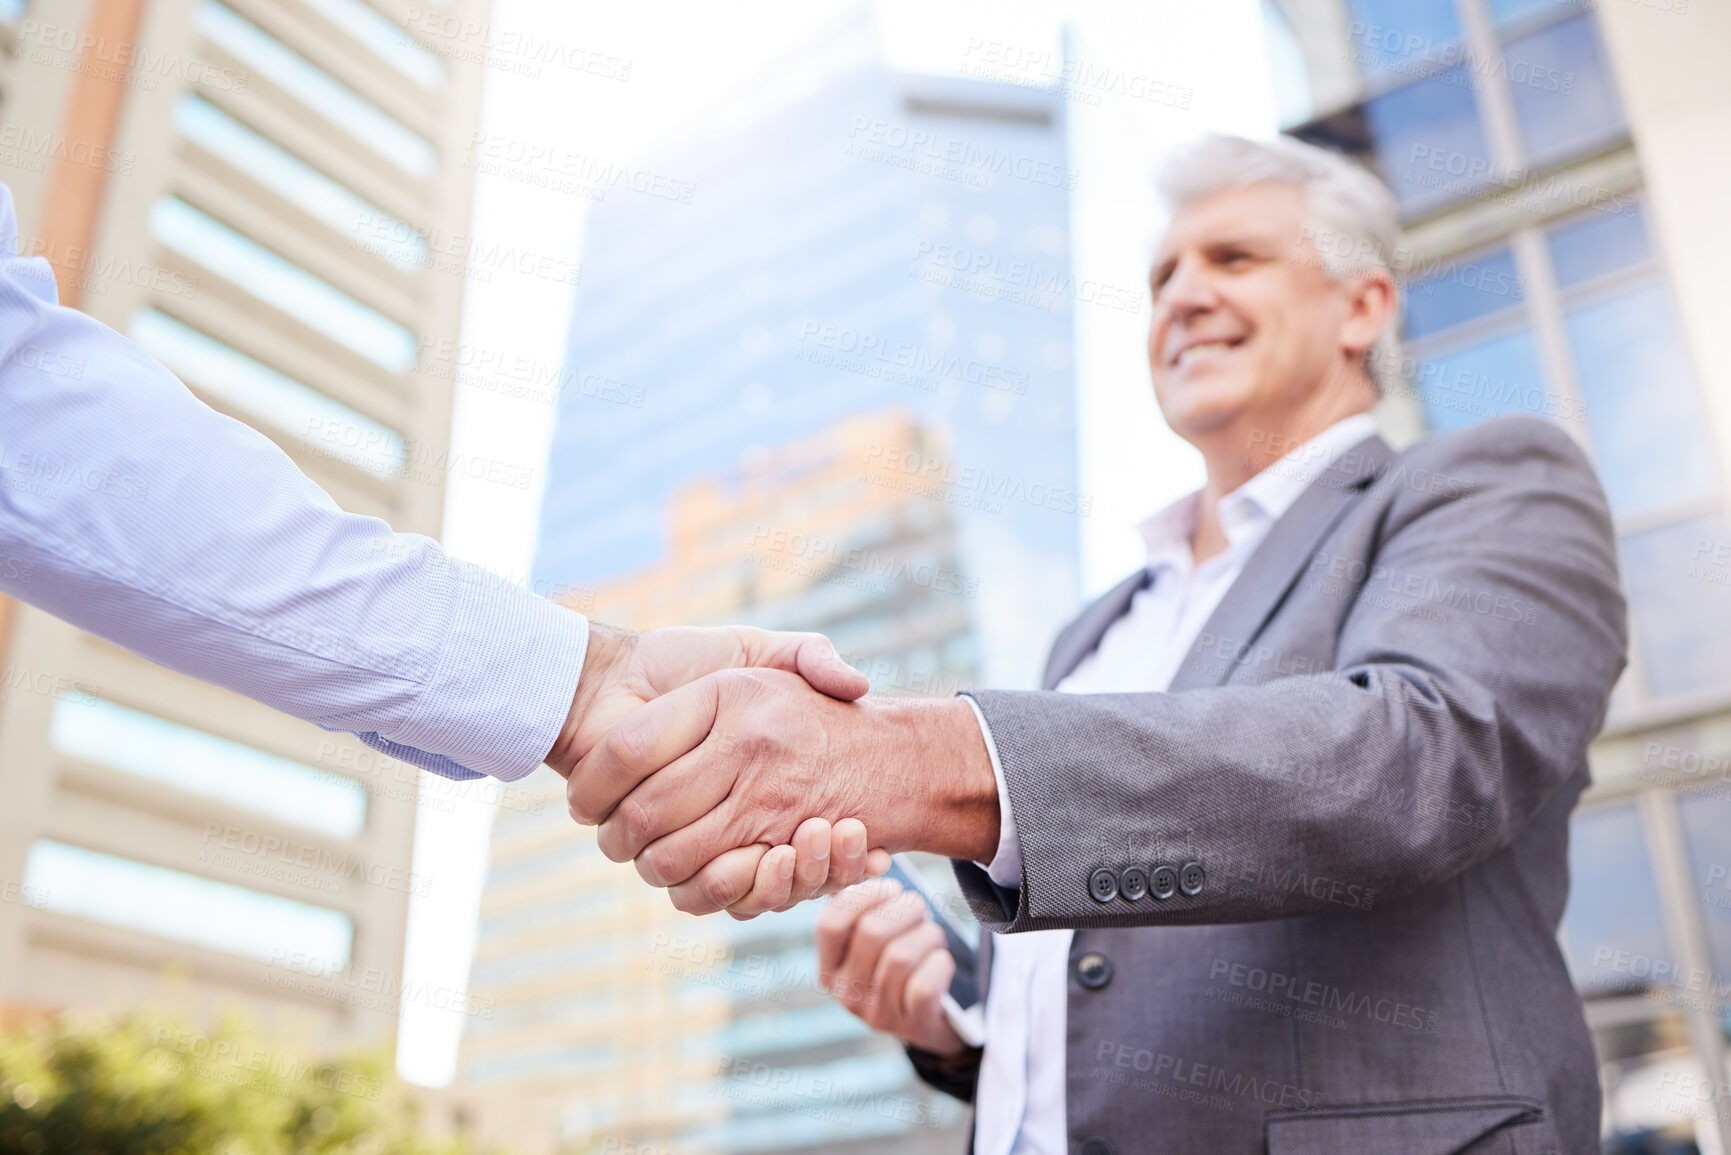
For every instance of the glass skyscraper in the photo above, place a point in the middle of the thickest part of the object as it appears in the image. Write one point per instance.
(819, 378)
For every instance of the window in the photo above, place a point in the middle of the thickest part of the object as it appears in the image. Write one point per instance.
(272, 397)
(1399, 35)
(186, 907)
(336, 102)
(1454, 108)
(1680, 605)
(283, 285)
(1642, 404)
(144, 745)
(1429, 141)
(1565, 100)
(1612, 931)
(385, 40)
(298, 182)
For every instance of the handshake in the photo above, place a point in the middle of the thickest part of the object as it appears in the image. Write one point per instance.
(746, 771)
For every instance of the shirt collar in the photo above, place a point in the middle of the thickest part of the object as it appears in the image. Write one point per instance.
(1259, 502)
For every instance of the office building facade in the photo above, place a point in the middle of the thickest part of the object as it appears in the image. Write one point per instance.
(268, 196)
(1564, 250)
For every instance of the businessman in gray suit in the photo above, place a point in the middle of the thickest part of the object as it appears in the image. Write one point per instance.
(1276, 859)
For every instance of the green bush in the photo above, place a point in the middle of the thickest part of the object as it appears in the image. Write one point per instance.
(149, 1085)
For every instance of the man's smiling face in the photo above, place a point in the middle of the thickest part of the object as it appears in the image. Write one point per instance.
(1247, 326)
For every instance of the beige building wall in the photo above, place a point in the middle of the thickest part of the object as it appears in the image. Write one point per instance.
(154, 57)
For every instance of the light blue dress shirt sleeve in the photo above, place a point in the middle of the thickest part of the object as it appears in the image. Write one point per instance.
(134, 511)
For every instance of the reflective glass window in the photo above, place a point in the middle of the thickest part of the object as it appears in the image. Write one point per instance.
(1679, 587)
(11, 10)
(1461, 289)
(270, 396)
(298, 182)
(385, 40)
(1648, 429)
(1565, 98)
(325, 95)
(1612, 933)
(186, 907)
(282, 284)
(1484, 379)
(144, 745)
(1512, 11)
(1598, 243)
(1706, 819)
(1429, 142)
(1403, 35)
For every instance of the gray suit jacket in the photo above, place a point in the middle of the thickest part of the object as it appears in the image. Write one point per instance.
(1367, 763)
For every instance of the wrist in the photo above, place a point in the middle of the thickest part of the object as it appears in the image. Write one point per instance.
(942, 775)
(604, 659)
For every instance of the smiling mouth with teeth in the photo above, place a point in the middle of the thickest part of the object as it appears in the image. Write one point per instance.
(1203, 348)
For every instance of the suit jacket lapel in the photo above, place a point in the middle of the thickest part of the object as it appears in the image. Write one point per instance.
(1079, 640)
(1278, 562)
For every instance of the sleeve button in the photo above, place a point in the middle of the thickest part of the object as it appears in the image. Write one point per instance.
(1190, 878)
(1163, 884)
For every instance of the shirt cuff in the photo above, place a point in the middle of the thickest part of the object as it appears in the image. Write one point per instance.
(1005, 869)
(503, 687)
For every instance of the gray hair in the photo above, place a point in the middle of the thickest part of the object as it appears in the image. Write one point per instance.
(1354, 220)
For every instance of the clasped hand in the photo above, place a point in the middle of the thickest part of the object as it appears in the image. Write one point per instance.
(742, 769)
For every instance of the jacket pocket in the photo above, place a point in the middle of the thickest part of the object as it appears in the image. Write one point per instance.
(1415, 1127)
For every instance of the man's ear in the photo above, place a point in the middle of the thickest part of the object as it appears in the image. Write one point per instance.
(1372, 306)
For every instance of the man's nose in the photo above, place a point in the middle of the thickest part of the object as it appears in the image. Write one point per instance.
(1188, 291)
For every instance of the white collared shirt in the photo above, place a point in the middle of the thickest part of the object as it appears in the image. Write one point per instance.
(1019, 1107)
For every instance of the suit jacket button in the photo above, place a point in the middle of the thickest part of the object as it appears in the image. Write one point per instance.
(1094, 970)
(1133, 883)
(1103, 885)
(1097, 1147)
(1163, 883)
(1190, 879)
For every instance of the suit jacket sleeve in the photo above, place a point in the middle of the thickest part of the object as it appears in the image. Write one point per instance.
(1428, 747)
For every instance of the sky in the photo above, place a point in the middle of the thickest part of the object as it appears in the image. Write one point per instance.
(682, 53)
